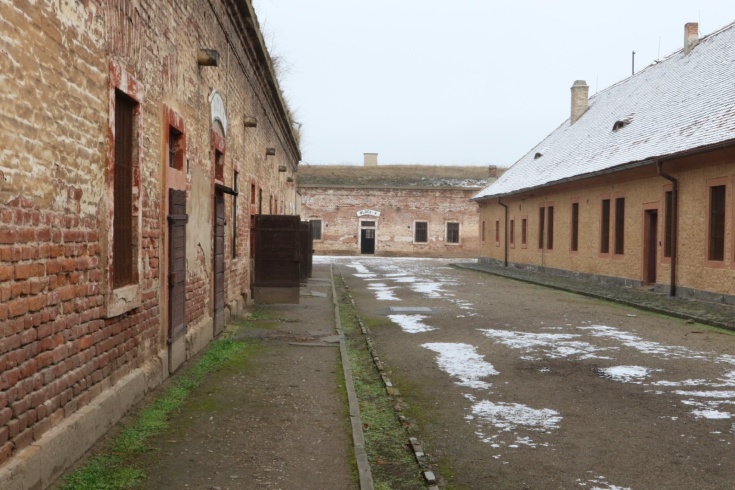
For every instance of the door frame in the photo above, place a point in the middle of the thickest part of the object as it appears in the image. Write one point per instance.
(650, 250)
(361, 228)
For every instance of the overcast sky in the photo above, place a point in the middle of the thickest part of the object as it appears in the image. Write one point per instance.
(462, 82)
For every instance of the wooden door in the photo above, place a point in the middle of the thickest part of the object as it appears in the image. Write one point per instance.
(367, 241)
(277, 259)
(650, 246)
(177, 220)
(219, 263)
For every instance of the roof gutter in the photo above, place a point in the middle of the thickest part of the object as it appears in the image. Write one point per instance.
(673, 220)
(611, 170)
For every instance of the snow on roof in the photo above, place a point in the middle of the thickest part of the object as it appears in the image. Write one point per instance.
(684, 102)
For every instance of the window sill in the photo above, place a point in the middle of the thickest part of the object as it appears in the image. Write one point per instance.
(122, 300)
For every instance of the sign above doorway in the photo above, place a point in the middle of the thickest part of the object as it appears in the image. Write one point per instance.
(368, 212)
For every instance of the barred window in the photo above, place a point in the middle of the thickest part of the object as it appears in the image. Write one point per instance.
(452, 232)
(716, 239)
(421, 232)
(316, 229)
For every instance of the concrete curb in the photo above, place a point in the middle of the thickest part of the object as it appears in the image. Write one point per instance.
(392, 391)
(358, 438)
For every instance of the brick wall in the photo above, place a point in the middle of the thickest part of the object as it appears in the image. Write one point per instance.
(60, 348)
(643, 191)
(399, 209)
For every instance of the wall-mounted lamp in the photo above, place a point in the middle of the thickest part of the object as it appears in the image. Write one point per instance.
(208, 57)
(281, 168)
(270, 151)
(250, 122)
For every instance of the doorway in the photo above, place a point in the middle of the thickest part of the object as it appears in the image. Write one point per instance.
(219, 262)
(367, 237)
(650, 245)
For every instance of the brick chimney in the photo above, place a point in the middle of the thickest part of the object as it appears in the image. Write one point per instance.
(371, 159)
(580, 99)
(691, 36)
(492, 171)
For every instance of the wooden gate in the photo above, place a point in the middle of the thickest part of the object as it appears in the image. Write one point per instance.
(277, 259)
(177, 219)
(307, 250)
(219, 262)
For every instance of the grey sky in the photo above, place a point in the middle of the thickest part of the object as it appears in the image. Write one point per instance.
(466, 82)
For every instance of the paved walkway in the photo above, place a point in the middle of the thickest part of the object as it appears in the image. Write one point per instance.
(715, 314)
(277, 421)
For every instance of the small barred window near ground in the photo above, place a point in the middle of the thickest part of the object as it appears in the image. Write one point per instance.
(452, 232)
(421, 232)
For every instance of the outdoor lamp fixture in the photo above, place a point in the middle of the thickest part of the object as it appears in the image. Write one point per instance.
(208, 57)
(281, 168)
(270, 151)
(250, 122)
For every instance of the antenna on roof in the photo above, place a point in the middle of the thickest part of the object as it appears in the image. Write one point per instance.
(632, 67)
(658, 57)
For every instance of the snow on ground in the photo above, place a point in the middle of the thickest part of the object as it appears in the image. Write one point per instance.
(626, 374)
(411, 323)
(383, 292)
(536, 346)
(462, 361)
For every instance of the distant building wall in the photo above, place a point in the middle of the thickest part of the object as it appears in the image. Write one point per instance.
(395, 228)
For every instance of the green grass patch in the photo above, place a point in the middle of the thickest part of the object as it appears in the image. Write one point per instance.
(392, 463)
(113, 470)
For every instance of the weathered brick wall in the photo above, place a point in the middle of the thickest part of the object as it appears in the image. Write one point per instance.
(399, 208)
(643, 191)
(58, 348)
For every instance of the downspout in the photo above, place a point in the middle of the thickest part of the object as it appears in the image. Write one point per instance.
(506, 232)
(674, 220)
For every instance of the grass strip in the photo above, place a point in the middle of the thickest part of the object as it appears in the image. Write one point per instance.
(112, 470)
(392, 464)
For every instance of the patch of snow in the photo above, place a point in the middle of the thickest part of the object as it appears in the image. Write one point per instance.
(383, 292)
(510, 416)
(462, 361)
(626, 374)
(549, 345)
(428, 289)
(711, 414)
(411, 323)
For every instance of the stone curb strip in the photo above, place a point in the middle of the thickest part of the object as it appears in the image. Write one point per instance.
(358, 438)
(392, 391)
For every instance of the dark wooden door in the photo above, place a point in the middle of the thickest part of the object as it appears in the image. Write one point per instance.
(277, 258)
(177, 220)
(219, 262)
(367, 241)
(306, 247)
(650, 246)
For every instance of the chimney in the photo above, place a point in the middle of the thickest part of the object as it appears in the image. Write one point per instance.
(492, 171)
(691, 36)
(580, 99)
(371, 159)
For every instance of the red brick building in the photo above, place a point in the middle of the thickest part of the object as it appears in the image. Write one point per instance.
(397, 210)
(137, 139)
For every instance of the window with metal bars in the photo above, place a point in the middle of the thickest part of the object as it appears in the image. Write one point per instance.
(575, 227)
(524, 231)
(605, 227)
(497, 231)
(452, 232)
(716, 239)
(123, 265)
(668, 221)
(482, 232)
(421, 232)
(512, 232)
(619, 225)
(550, 228)
(541, 227)
(175, 148)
